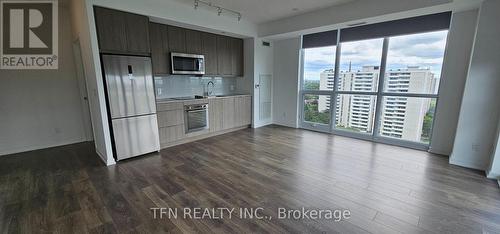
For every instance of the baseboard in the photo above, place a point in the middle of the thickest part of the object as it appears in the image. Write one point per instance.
(492, 175)
(285, 124)
(466, 164)
(258, 125)
(200, 137)
(39, 147)
(440, 152)
(103, 159)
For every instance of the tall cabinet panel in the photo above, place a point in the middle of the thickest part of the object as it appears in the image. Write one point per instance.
(237, 57)
(209, 50)
(158, 35)
(111, 29)
(122, 32)
(224, 58)
(176, 39)
(137, 33)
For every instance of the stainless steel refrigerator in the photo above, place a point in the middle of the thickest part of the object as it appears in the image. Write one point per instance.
(131, 100)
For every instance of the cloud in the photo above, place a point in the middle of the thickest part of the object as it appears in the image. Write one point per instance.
(317, 60)
(425, 50)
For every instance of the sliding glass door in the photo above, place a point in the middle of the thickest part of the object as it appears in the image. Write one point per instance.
(381, 89)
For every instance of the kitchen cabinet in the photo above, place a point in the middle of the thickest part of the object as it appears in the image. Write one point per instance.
(158, 35)
(170, 122)
(176, 39)
(224, 58)
(209, 50)
(193, 42)
(137, 33)
(228, 113)
(223, 54)
(215, 114)
(111, 29)
(171, 134)
(122, 32)
(236, 57)
(243, 110)
(225, 114)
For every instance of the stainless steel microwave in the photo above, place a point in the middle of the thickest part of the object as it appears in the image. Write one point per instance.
(187, 64)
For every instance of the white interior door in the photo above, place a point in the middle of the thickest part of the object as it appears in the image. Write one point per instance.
(80, 73)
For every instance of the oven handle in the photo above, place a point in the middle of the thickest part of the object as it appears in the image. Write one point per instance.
(196, 110)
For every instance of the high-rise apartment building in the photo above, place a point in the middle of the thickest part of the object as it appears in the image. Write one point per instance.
(402, 117)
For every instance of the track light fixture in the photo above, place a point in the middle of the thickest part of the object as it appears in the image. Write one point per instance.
(220, 10)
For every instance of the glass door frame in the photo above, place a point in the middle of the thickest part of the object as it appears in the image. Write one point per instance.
(375, 136)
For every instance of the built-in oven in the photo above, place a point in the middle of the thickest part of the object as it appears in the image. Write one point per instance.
(196, 117)
(187, 64)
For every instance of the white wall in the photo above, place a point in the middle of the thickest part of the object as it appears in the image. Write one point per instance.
(286, 80)
(42, 108)
(263, 65)
(480, 109)
(454, 73)
(85, 32)
(493, 171)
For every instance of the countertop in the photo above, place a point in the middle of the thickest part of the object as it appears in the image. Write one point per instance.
(168, 100)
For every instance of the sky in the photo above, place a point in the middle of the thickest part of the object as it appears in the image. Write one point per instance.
(424, 50)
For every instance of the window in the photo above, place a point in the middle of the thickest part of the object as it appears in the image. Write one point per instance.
(319, 66)
(378, 82)
(360, 65)
(355, 113)
(407, 118)
(317, 109)
(414, 63)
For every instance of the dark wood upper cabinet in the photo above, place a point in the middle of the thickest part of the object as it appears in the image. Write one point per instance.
(209, 50)
(224, 58)
(193, 42)
(121, 32)
(111, 30)
(158, 35)
(176, 39)
(237, 57)
(137, 33)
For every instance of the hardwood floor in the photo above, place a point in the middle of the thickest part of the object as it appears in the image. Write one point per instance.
(387, 189)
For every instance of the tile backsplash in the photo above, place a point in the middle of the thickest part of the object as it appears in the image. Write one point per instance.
(182, 86)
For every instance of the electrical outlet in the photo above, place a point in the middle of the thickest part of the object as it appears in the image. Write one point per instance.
(232, 87)
(283, 116)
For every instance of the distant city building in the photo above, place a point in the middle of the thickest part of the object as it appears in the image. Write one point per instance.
(402, 117)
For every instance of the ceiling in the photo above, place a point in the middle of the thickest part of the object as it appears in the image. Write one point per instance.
(260, 11)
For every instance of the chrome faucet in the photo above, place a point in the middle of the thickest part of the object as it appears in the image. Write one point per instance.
(211, 92)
